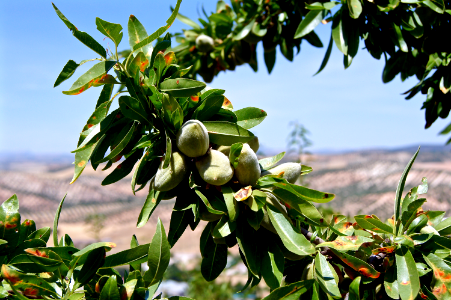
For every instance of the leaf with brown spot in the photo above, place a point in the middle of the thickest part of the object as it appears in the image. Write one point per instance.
(407, 274)
(346, 243)
(227, 104)
(136, 34)
(92, 77)
(387, 250)
(9, 222)
(169, 58)
(368, 272)
(442, 276)
(31, 285)
(139, 63)
(243, 193)
(111, 30)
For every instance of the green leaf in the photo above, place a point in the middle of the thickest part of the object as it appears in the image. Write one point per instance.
(136, 34)
(10, 218)
(223, 228)
(231, 203)
(81, 36)
(411, 212)
(326, 56)
(234, 155)
(247, 241)
(292, 239)
(288, 195)
(122, 144)
(93, 262)
(38, 262)
(160, 30)
(399, 190)
(391, 283)
(372, 223)
(355, 8)
(158, 257)
(312, 195)
(436, 5)
(28, 285)
(152, 201)
(179, 221)
(346, 243)
(111, 30)
(354, 289)
(214, 259)
(269, 162)
(133, 255)
(325, 276)
(208, 108)
(309, 23)
(105, 95)
(407, 274)
(339, 34)
(187, 20)
(82, 158)
(226, 133)
(182, 87)
(245, 30)
(321, 6)
(55, 222)
(273, 266)
(444, 227)
(43, 234)
(290, 291)
(95, 76)
(110, 290)
(250, 117)
(67, 72)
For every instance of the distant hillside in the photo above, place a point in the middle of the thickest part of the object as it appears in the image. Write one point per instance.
(364, 181)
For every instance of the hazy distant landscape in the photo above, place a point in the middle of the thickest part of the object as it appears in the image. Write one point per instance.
(362, 180)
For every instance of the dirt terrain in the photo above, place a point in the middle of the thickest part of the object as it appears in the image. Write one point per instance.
(364, 182)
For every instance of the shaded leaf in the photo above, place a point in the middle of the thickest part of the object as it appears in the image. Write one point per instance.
(290, 291)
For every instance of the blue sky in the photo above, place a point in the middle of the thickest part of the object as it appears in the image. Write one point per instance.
(343, 109)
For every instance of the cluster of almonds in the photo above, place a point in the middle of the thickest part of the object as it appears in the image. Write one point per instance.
(213, 165)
